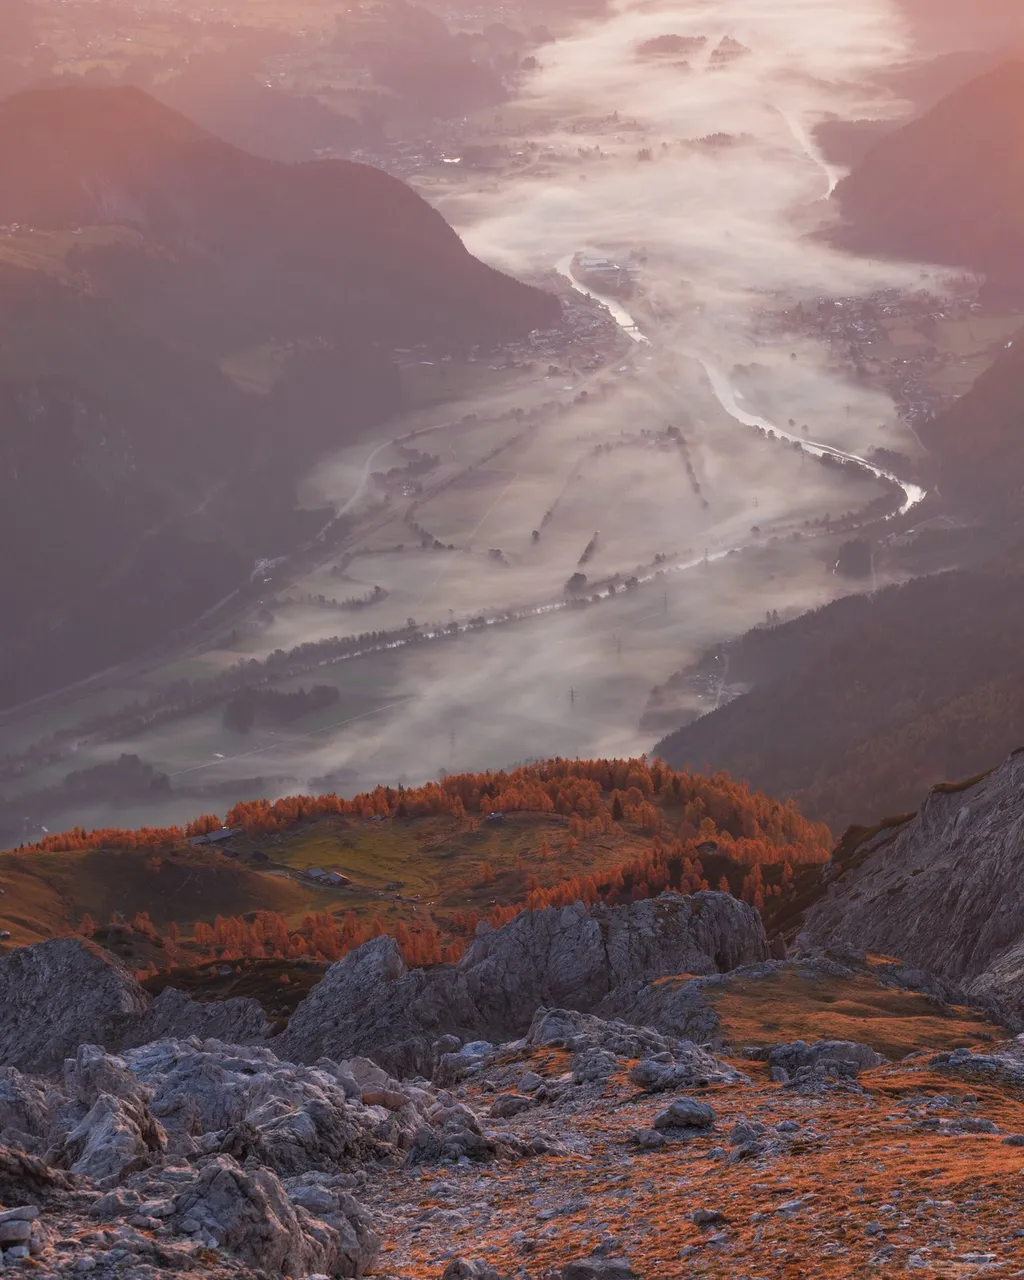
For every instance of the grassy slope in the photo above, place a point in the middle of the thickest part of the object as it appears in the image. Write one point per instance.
(791, 1006)
(438, 859)
(47, 893)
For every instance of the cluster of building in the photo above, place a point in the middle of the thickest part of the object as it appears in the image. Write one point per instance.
(856, 330)
(330, 879)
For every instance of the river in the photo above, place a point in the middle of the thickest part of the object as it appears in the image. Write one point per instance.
(728, 397)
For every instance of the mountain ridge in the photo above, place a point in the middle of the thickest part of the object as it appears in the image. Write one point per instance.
(227, 252)
(949, 186)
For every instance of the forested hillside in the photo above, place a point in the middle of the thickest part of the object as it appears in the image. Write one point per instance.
(425, 864)
(978, 442)
(136, 480)
(854, 710)
(948, 187)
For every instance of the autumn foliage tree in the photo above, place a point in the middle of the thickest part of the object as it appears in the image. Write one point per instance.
(698, 829)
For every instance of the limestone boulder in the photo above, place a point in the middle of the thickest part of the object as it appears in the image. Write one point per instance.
(57, 995)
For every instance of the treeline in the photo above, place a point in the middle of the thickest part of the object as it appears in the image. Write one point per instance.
(324, 938)
(750, 827)
(250, 707)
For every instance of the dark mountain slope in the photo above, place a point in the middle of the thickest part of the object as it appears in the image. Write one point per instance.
(948, 187)
(858, 707)
(979, 441)
(322, 244)
(137, 483)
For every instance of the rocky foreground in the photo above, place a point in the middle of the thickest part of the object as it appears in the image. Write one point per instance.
(501, 1131)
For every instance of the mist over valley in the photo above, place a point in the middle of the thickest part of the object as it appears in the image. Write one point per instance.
(635, 458)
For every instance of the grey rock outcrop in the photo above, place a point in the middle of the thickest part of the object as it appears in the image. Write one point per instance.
(941, 891)
(24, 1110)
(572, 957)
(369, 1003)
(665, 1061)
(245, 1101)
(249, 1213)
(59, 994)
(114, 1133)
(840, 1057)
(175, 1015)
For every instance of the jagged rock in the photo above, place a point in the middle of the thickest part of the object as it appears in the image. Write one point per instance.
(24, 1110)
(1007, 1065)
(667, 1063)
(454, 1067)
(175, 1015)
(247, 1101)
(92, 1072)
(248, 1213)
(598, 1269)
(939, 891)
(572, 956)
(507, 1105)
(115, 1132)
(593, 1064)
(454, 1132)
(59, 994)
(580, 1032)
(677, 1007)
(369, 1003)
(20, 1172)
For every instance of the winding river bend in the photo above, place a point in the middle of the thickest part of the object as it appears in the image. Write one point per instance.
(727, 397)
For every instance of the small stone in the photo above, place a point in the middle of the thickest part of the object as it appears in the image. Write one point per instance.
(707, 1217)
(744, 1134)
(1013, 1140)
(650, 1139)
(463, 1269)
(14, 1230)
(685, 1113)
(26, 1213)
(17, 1251)
(506, 1105)
(598, 1269)
(530, 1082)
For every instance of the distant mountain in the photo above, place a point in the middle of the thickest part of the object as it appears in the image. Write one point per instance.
(233, 100)
(945, 25)
(249, 245)
(949, 186)
(137, 482)
(410, 51)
